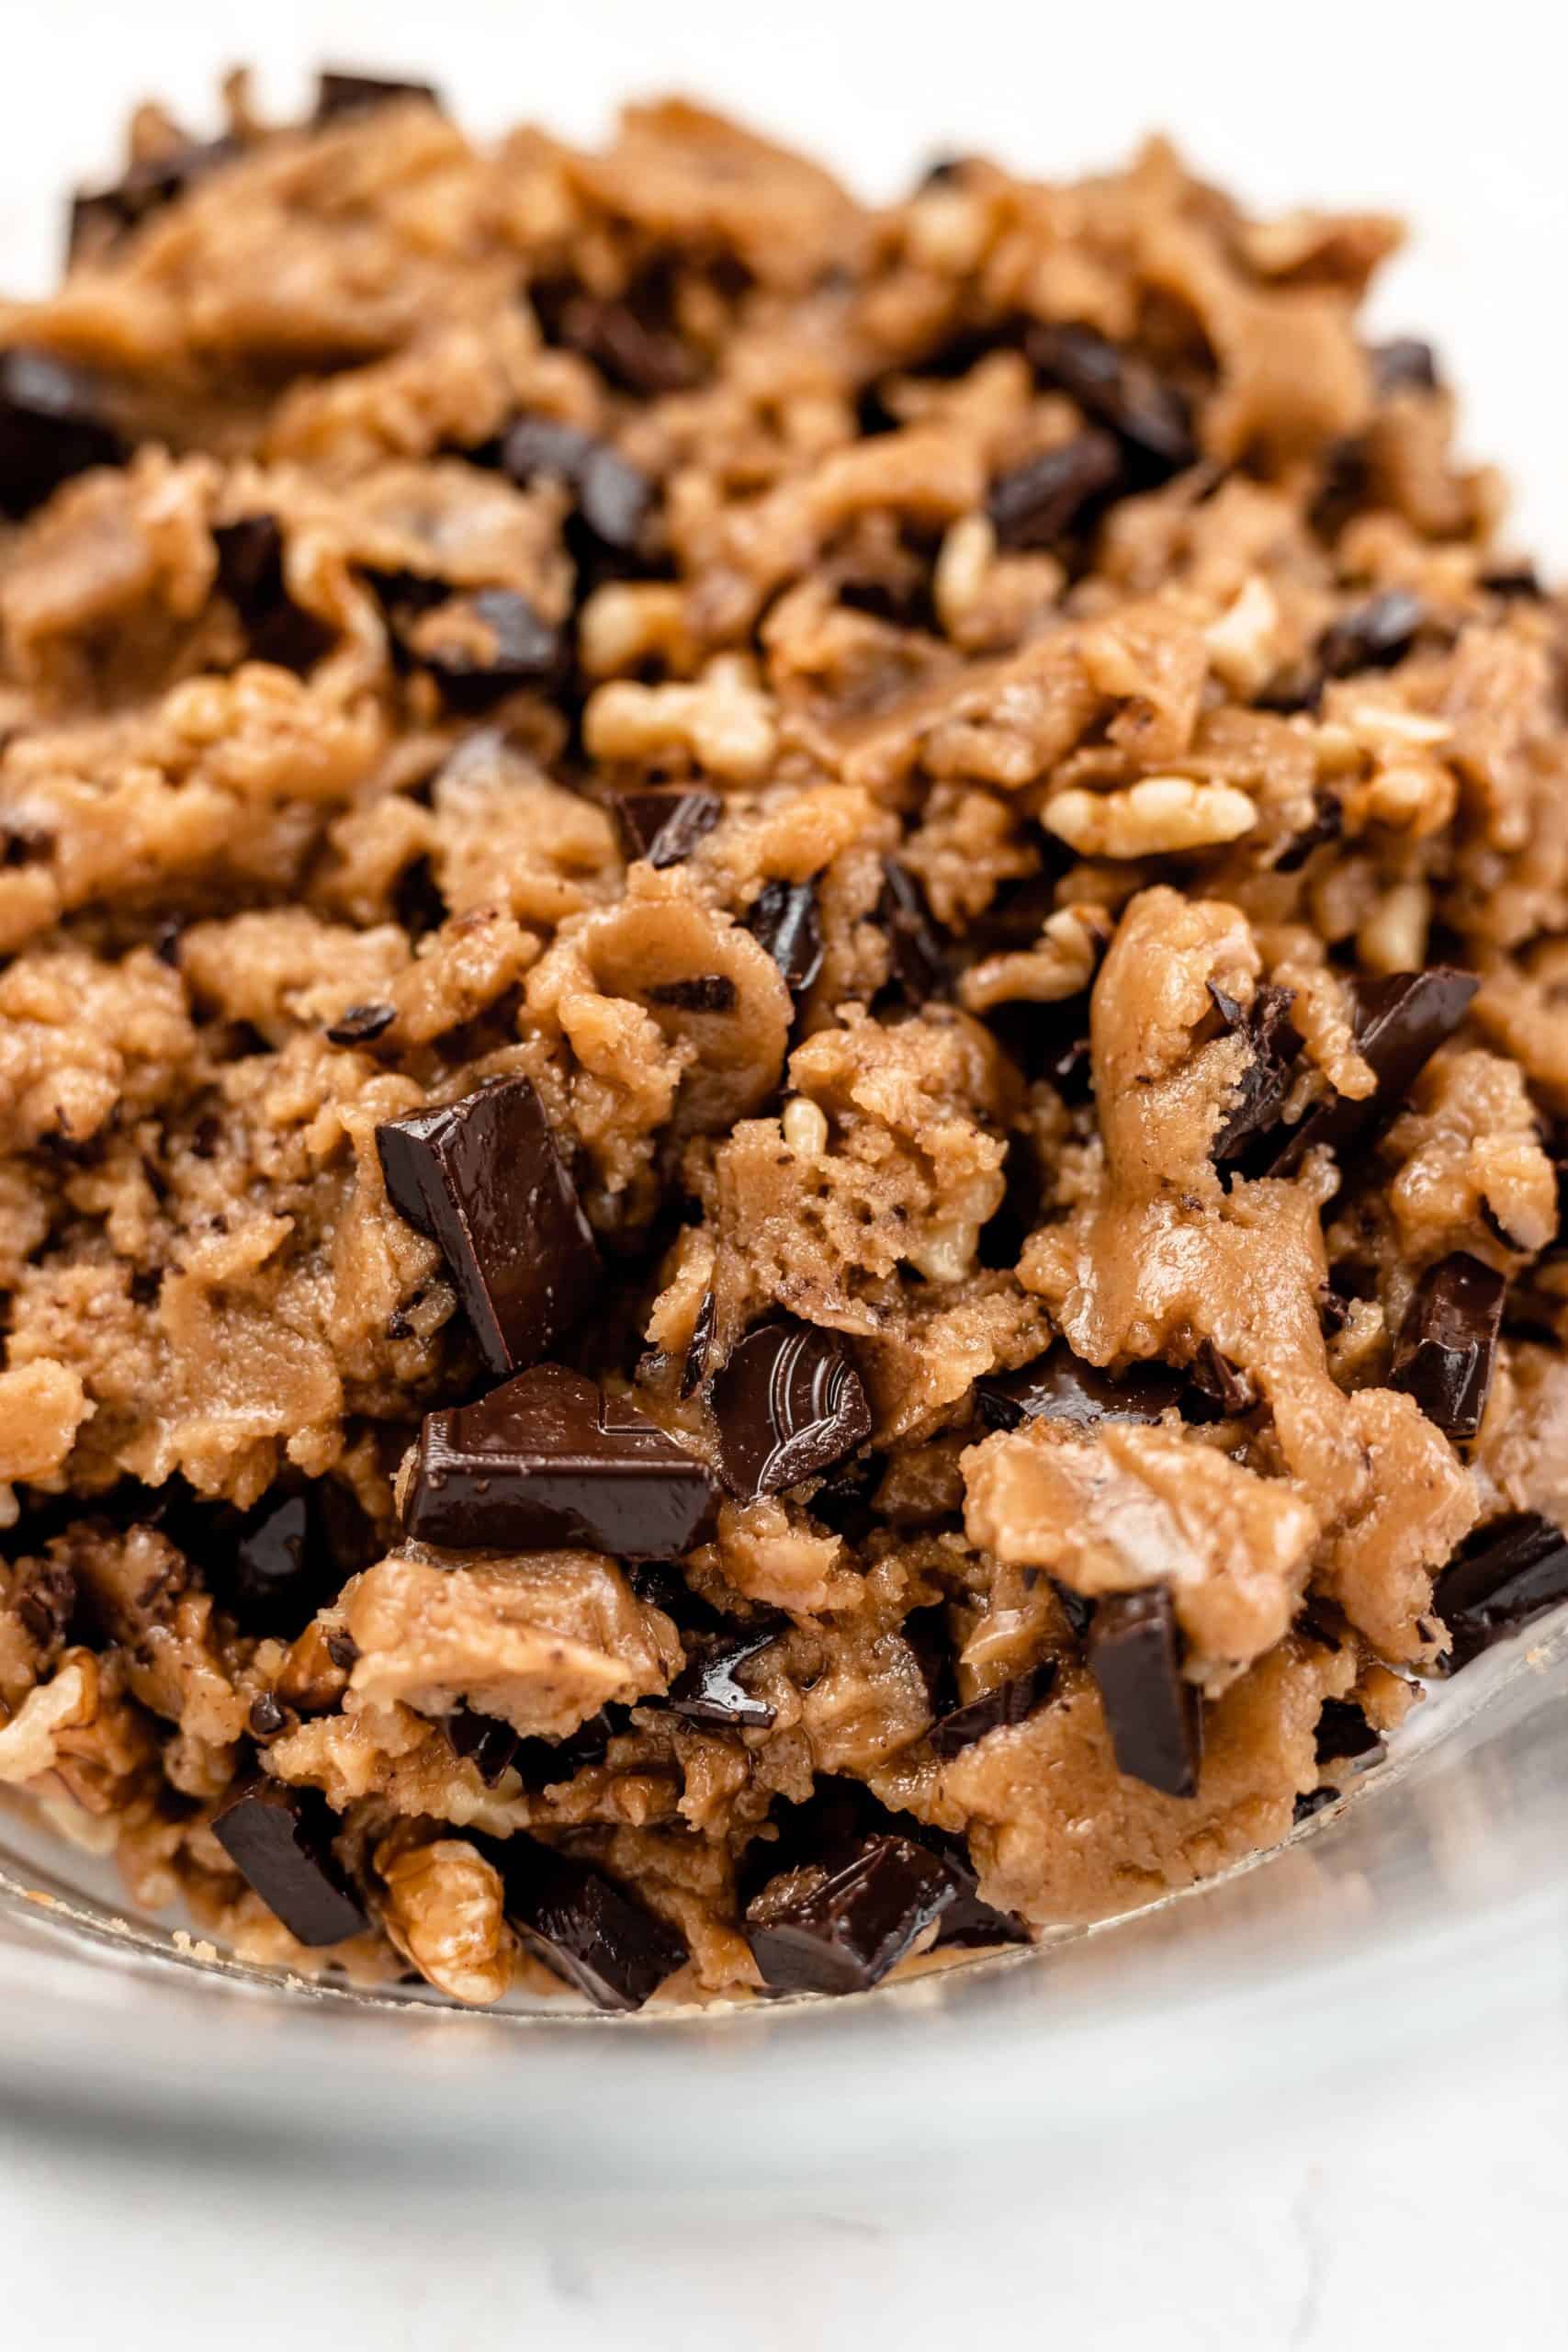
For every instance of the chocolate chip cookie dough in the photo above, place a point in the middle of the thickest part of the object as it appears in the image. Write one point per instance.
(782, 1042)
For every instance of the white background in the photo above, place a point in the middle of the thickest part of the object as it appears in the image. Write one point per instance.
(1427, 2209)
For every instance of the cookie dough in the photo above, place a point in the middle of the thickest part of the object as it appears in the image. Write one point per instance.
(781, 1046)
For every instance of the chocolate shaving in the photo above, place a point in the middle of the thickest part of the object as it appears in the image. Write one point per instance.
(1154, 1717)
(694, 1369)
(663, 827)
(1060, 1386)
(339, 93)
(613, 499)
(918, 960)
(546, 1462)
(1148, 416)
(1400, 1022)
(484, 1179)
(1373, 636)
(785, 919)
(52, 426)
(592, 1933)
(1007, 1704)
(1502, 1577)
(1273, 1042)
(706, 1691)
(1038, 504)
(788, 1404)
(250, 574)
(843, 1931)
(280, 1841)
(704, 993)
(361, 1024)
(1448, 1343)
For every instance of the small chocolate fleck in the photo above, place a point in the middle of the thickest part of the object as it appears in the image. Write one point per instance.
(1038, 504)
(704, 993)
(1154, 1717)
(842, 1931)
(596, 1935)
(1313, 1802)
(1326, 826)
(1373, 636)
(250, 574)
(785, 919)
(788, 1404)
(613, 497)
(1005, 1705)
(521, 647)
(1122, 389)
(1060, 1386)
(1234, 1392)
(52, 426)
(1405, 363)
(547, 1462)
(266, 1718)
(706, 1690)
(484, 1179)
(919, 961)
(1502, 1576)
(1400, 1022)
(280, 1840)
(694, 1369)
(339, 92)
(1344, 1733)
(45, 1601)
(343, 1650)
(1513, 584)
(663, 827)
(1448, 1343)
(1273, 1042)
(483, 1741)
(362, 1025)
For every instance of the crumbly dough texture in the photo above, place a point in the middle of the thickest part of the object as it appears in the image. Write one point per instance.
(1129, 757)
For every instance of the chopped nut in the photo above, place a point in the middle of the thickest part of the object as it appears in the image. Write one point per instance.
(1161, 814)
(442, 1908)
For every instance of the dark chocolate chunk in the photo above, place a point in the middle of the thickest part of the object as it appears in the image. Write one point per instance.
(706, 1691)
(52, 426)
(704, 993)
(1075, 1607)
(1273, 1042)
(612, 498)
(1313, 1802)
(362, 1025)
(489, 1744)
(417, 902)
(631, 341)
(1447, 1344)
(1514, 582)
(1406, 363)
(100, 217)
(545, 1462)
(1344, 1733)
(1060, 1386)
(843, 1932)
(338, 93)
(343, 1651)
(596, 1935)
(1326, 826)
(1234, 1392)
(844, 1502)
(1003, 1235)
(275, 1565)
(785, 919)
(250, 574)
(1154, 1717)
(1400, 1022)
(788, 1405)
(484, 1179)
(266, 1718)
(664, 827)
(514, 647)
(1120, 389)
(1502, 1576)
(695, 1370)
(919, 961)
(1007, 1703)
(280, 1840)
(1373, 636)
(1038, 504)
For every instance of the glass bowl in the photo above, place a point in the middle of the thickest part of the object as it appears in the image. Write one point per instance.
(1431, 1903)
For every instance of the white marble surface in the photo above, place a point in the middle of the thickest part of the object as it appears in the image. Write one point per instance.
(1402, 2209)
